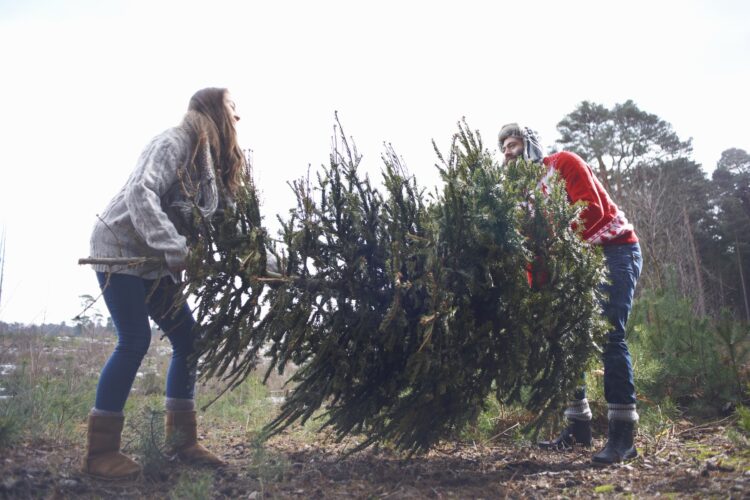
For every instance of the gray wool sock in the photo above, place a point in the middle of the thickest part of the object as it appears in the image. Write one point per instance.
(178, 404)
(622, 412)
(106, 413)
(578, 409)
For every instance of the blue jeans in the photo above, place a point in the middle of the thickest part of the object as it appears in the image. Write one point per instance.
(131, 301)
(624, 263)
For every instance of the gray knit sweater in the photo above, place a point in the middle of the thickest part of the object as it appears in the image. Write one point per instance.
(142, 220)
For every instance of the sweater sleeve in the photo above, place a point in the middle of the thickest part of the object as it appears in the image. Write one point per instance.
(581, 186)
(155, 174)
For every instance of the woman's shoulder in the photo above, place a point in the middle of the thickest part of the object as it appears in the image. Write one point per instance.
(172, 142)
(173, 137)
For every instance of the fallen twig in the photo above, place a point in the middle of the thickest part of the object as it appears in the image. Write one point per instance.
(500, 433)
(707, 424)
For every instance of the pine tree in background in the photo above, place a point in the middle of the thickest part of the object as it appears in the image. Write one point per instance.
(405, 311)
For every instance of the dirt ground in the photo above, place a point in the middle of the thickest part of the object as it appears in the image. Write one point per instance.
(688, 462)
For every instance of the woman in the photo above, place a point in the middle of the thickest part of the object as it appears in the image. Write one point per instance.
(181, 169)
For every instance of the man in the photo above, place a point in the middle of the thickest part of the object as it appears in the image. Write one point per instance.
(604, 225)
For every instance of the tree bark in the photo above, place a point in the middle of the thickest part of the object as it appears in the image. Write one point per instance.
(742, 277)
(696, 264)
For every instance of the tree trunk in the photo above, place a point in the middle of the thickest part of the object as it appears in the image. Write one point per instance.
(742, 277)
(603, 177)
(696, 264)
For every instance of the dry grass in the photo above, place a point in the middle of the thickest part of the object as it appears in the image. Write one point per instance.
(48, 386)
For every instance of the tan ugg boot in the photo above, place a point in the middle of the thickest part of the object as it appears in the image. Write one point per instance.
(103, 458)
(182, 439)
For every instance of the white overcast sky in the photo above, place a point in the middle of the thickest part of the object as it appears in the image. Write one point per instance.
(85, 84)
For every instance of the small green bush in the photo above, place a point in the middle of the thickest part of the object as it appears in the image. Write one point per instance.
(743, 422)
(194, 485)
(680, 356)
(147, 427)
(46, 405)
(10, 426)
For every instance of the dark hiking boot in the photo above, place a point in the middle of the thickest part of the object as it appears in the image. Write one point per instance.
(619, 447)
(577, 432)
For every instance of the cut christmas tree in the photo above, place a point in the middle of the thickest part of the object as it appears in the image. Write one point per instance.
(405, 312)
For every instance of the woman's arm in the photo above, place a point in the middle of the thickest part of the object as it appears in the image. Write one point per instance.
(155, 173)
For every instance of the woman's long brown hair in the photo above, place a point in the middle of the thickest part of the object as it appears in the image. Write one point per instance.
(207, 120)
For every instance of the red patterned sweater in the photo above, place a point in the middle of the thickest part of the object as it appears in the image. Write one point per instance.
(604, 223)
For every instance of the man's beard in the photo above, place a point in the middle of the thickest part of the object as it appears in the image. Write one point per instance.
(508, 160)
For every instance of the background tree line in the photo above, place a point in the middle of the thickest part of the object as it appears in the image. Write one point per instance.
(695, 230)
(692, 312)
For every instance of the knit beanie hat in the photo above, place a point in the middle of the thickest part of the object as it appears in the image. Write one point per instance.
(509, 130)
(532, 149)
